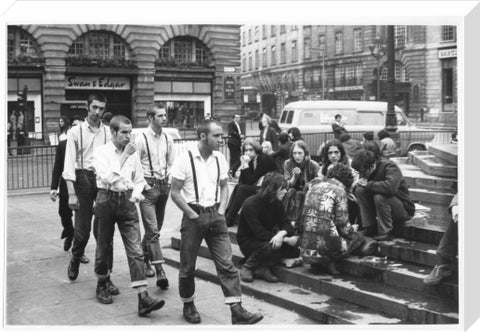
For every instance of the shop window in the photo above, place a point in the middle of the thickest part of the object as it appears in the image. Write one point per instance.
(184, 51)
(21, 45)
(448, 33)
(339, 42)
(348, 75)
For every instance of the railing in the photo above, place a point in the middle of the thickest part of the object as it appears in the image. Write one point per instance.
(31, 167)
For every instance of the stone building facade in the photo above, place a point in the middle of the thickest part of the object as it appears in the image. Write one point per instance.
(194, 69)
(285, 63)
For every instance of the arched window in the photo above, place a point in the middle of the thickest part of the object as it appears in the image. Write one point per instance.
(401, 74)
(21, 45)
(100, 48)
(185, 51)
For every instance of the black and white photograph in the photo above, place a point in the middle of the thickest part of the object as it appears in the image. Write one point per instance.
(293, 172)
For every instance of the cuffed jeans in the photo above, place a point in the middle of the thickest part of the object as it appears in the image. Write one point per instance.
(212, 227)
(116, 208)
(153, 213)
(448, 246)
(387, 209)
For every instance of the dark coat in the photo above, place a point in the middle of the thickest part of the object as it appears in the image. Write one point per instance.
(387, 179)
(338, 130)
(234, 139)
(259, 222)
(271, 137)
(57, 179)
(282, 154)
(265, 164)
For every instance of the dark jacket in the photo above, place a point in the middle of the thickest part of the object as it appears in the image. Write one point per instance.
(265, 164)
(387, 179)
(338, 130)
(234, 139)
(282, 154)
(57, 179)
(259, 222)
(271, 137)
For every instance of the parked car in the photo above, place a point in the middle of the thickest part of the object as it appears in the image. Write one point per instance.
(313, 117)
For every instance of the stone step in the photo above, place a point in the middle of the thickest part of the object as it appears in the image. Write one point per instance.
(409, 306)
(425, 228)
(448, 152)
(417, 179)
(428, 196)
(319, 307)
(432, 165)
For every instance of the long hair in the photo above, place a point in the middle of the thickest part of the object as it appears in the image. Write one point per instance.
(297, 135)
(66, 123)
(325, 161)
(271, 183)
(373, 146)
(253, 143)
(302, 145)
(342, 173)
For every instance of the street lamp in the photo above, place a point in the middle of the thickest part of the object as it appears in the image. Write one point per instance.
(377, 50)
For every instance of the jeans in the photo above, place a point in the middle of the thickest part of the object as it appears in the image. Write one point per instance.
(116, 208)
(448, 246)
(64, 211)
(380, 209)
(152, 210)
(211, 227)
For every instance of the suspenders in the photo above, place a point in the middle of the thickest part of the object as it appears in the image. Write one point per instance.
(194, 173)
(150, 158)
(81, 142)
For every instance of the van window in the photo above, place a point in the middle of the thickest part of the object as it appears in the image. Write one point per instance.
(290, 117)
(283, 116)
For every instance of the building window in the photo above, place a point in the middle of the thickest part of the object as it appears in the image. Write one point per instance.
(201, 53)
(257, 62)
(250, 62)
(282, 28)
(182, 51)
(249, 35)
(100, 45)
(256, 33)
(244, 63)
(307, 48)
(401, 75)
(307, 30)
(273, 56)
(448, 33)
(185, 50)
(273, 30)
(322, 45)
(244, 39)
(282, 53)
(348, 75)
(77, 48)
(20, 43)
(447, 82)
(264, 57)
(338, 42)
(400, 36)
(118, 49)
(165, 52)
(264, 31)
(294, 51)
(357, 40)
(294, 28)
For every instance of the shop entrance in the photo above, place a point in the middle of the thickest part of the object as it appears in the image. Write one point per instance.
(118, 102)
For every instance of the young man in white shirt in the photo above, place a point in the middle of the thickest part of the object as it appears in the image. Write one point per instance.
(156, 151)
(199, 189)
(79, 174)
(120, 184)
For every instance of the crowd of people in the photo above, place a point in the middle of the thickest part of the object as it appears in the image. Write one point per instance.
(289, 208)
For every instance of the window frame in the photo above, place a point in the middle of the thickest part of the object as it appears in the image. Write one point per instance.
(358, 40)
(453, 32)
(338, 42)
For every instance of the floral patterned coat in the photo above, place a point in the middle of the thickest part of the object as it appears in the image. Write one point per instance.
(325, 229)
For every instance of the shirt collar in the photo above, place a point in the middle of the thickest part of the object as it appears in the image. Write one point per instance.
(152, 132)
(196, 153)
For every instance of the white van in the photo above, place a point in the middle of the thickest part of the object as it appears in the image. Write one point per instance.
(312, 117)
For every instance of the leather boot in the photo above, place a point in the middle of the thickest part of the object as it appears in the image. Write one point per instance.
(332, 269)
(73, 267)
(112, 289)
(242, 316)
(103, 295)
(264, 273)
(149, 272)
(147, 304)
(246, 274)
(162, 280)
(190, 313)
(67, 244)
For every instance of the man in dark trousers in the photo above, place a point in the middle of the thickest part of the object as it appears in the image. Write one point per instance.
(200, 190)
(382, 194)
(234, 143)
(338, 127)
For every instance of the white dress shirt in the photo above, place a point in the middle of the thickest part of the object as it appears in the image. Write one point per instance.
(91, 138)
(206, 171)
(158, 145)
(110, 176)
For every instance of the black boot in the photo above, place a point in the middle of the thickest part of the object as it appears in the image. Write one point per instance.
(103, 295)
(147, 304)
(190, 313)
(242, 316)
(162, 280)
(112, 289)
(263, 272)
(246, 274)
(67, 244)
(73, 267)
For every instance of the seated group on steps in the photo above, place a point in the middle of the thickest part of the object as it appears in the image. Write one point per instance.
(315, 214)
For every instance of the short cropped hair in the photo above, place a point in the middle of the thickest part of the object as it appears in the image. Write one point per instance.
(92, 97)
(338, 116)
(271, 183)
(368, 135)
(152, 109)
(117, 120)
(204, 126)
(253, 143)
(363, 160)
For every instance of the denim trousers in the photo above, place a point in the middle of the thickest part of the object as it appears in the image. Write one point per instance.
(380, 210)
(111, 209)
(448, 246)
(152, 210)
(212, 227)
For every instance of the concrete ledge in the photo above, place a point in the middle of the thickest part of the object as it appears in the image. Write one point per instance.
(448, 152)
(432, 165)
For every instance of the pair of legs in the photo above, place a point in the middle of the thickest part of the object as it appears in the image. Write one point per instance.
(152, 210)
(379, 212)
(234, 158)
(65, 214)
(239, 194)
(116, 208)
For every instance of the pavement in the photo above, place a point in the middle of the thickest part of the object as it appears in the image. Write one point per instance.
(39, 293)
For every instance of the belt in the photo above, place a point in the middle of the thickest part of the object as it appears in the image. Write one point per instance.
(198, 208)
(117, 194)
(85, 171)
(148, 178)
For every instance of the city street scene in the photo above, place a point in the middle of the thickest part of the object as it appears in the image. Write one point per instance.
(232, 174)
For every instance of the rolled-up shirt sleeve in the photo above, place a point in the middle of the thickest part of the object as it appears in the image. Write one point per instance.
(70, 156)
(138, 178)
